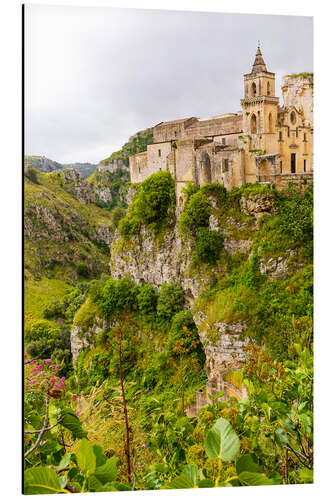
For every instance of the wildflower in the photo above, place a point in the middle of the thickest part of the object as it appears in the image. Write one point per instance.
(74, 396)
(143, 445)
(57, 368)
(25, 356)
(33, 381)
(47, 360)
(78, 412)
(50, 367)
(52, 373)
(42, 372)
(34, 361)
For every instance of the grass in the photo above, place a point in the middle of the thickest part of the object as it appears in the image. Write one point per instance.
(39, 294)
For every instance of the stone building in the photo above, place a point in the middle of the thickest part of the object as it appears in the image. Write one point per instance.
(263, 143)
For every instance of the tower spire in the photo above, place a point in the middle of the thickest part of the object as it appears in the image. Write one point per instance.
(259, 63)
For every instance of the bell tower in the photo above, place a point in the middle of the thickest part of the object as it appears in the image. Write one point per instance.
(260, 106)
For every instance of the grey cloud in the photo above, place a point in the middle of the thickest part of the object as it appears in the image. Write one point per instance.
(102, 74)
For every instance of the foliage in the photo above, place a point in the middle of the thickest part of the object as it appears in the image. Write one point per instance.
(153, 205)
(170, 301)
(147, 299)
(116, 214)
(118, 296)
(82, 270)
(195, 214)
(136, 144)
(208, 247)
(31, 174)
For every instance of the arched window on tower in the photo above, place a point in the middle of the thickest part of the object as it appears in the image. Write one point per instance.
(253, 124)
(268, 88)
(253, 89)
(270, 123)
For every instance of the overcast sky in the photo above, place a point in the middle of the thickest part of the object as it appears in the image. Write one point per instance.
(95, 76)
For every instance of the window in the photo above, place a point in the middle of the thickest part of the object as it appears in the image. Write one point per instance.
(253, 89)
(226, 165)
(270, 123)
(253, 124)
(292, 117)
(139, 170)
(288, 131)
(159, 152)
(280, 136)
(293, 163)
(280, 167)
(176, 133)
(268, 89)
(223, 140)
(304, 137)
(165, 136)
(304, 165)
(296, 131)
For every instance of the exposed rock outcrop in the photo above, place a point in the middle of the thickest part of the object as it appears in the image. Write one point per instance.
(77, 186)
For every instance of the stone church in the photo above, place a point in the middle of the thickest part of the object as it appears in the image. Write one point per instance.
(265, 142)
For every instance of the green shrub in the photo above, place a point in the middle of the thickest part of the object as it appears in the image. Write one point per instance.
(115, 216)
(195, 214)
(82, 270)
(147, 299)
(170, 301)
(217, 191)
(153, 205)
(31, 174)
(118, 296)
(208, 247)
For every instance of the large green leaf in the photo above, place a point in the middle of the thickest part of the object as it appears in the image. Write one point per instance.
(100, 459)
(187, 479)
(73, 423)
(107, 473)
(94, 484)
(86, 458)
(254, 479)
(116, 486)
(246, 463)
(222, 441)
(41, 480)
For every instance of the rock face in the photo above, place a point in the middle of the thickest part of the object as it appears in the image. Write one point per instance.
(297, 91)
(81, 339)
(77, 186)
(276, 268)
(257, 205)
(113, 166)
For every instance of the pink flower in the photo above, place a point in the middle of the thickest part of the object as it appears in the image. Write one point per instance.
(25, 356)
(34, 361)
(50, 367)
(63, 379)
(42, 372)
(78, 412)
(52, 373)
(74, 396)
(143, 445)
(33, 381)
(53, 380)
(47, 360)
(56, 368)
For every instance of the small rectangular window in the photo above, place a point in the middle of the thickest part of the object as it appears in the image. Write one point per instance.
(288, 131)
(176, 134)
(296, 131)
(293, 163)
(225, 167)
(304, 137)
(280, 136)
(223, 140)
(280, 167)
(159, 152)
(304, 165)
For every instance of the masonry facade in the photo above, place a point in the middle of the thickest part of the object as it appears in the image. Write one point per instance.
(265, 142)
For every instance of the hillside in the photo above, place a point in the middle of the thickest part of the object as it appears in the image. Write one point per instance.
(62, 233)
(136, 144)
(44, 164)
(199, 334)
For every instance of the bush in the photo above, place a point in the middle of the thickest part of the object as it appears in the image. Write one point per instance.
(147, 299)
(195, 214)
(153, 205)
(170, 301)
(31, 174)
(82, 270)
(184, 332)
(117, 214)
(208, 247)
(217, 191)
(118, 296)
